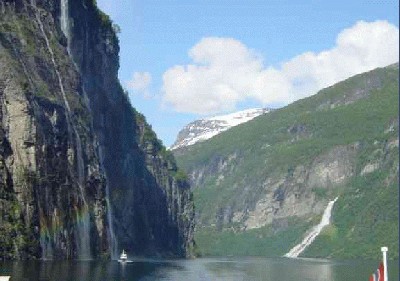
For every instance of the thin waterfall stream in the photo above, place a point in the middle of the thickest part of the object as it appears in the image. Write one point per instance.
(325, 220)
(65, 27)
(82, 216)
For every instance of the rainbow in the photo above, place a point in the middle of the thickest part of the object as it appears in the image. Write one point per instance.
(52, 227)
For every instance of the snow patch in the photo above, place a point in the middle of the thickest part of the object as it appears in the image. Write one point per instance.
(204, 129)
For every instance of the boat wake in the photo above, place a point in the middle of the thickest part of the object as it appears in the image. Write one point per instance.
(124, 258)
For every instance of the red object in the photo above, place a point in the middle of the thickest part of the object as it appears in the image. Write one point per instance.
(378, 275)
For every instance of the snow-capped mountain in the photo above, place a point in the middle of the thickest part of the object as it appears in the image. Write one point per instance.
(203, 129)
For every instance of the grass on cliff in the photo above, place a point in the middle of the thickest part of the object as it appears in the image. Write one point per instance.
(15, 235)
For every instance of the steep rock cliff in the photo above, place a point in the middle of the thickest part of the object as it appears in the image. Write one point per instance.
(151, 207)
(53, 191)
(82, 173)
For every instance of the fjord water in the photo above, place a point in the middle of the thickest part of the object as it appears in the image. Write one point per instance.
(202, 269)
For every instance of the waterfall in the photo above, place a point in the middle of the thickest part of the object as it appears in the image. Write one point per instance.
(64, 22)
(112, 238)
(65, 27)
(325, 220)
(83, 220)
(47, 249)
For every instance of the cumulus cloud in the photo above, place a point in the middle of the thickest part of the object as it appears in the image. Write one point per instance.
(140, 83)
(225, 71)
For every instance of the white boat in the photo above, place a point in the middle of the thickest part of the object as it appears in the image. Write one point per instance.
(123, 257)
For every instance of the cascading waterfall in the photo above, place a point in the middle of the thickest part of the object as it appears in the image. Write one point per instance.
(64, 19)
(113, 239)
(83, 220)
(47, 249)
(65, 27)
(45, 235)
(325, 220)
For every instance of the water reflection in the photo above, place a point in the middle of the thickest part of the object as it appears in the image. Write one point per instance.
(269, 269)
(80, 270)
(224, 269)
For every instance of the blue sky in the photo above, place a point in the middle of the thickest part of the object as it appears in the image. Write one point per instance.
(222, 56)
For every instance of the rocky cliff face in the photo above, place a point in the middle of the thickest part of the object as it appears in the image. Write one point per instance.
(53, 191)
(82, 174)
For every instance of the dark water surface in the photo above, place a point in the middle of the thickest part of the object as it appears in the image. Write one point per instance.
(204, 269)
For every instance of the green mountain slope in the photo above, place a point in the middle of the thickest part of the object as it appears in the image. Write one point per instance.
(259, 186)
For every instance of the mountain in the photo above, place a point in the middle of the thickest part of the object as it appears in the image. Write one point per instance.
(82, 175)
(204, 129)
(261, 186)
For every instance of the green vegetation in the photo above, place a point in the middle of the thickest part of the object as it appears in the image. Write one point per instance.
(148, 139)
(105, 19)
(180, 176)
(360, 112)
(148, 136)
(263, 241)
(15, 235)
(365, 218)
(360, 120)
(106, 23)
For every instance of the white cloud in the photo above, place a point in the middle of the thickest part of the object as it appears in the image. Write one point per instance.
(140, 83)
(225, 72)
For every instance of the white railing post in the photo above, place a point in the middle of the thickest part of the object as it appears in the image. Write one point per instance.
(384, 250)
